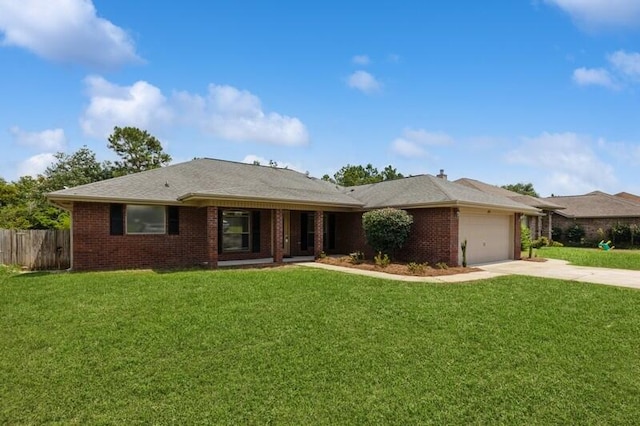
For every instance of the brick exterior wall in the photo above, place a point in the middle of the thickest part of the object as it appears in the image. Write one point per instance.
(590, 225)
(195, 245)
(433, 237)
(94, 248)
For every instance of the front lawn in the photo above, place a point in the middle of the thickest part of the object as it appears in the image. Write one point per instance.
(305, 346)
(618, 259)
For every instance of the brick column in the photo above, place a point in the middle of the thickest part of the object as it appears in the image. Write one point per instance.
(278, 237)
(212, 237)
(319, 233)
(517, 232)
(550, 216)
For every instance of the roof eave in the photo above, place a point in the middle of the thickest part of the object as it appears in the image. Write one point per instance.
(193, 196)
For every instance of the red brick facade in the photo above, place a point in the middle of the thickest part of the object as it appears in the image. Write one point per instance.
(433, 239)
(590, 225)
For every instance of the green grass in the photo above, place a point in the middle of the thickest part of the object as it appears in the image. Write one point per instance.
(304, 346)
(618, 259)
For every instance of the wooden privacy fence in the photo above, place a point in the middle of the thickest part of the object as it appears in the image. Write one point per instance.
(36, 249)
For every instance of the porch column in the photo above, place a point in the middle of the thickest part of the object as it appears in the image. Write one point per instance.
(212, 237)
(318, 233)
(549, 215)
(278, 237)
(539, 231)
(517, 243)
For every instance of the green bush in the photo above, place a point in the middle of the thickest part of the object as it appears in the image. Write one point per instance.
(386, 229)
(575, 234)
(556, 244)
(442, 265)
(556, 233)
(620, 233)
(540, 242)
(381, 260)
(357, 257)
(525, 236)
(417, 268)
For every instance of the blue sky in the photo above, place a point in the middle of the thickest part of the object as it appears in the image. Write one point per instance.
(542, 91)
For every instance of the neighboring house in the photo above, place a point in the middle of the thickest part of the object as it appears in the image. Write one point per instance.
(534, 221)
(594, 211)
(629, 197)
(206, 212)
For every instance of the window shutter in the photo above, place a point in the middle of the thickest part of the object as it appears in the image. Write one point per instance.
(173, 221)
(304, 242)
(332, 231)
(255, 232)
(116, 219)
(220, 219)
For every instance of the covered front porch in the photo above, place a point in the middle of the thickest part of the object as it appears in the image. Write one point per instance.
(238, 235)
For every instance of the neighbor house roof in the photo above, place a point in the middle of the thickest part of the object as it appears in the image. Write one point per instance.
(429, 191)
(201, 181)
(496, 190)
(629, 197)
(596, 204)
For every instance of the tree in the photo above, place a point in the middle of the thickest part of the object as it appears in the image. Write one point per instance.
(75, 169)
(138, 150)
(522, 188)
(386, 229)
(350, 175)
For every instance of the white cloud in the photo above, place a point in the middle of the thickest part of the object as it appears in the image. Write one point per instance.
(626, 63)
(571, 165)
(601, 13)
(35, 165)
(66, 31)
(363, 81)
(361, 60)
(225, 112)
(593, 77)
(237, 115)
(46, 140)
(140, 105)
(407, 148)
(413, 141)
(250, 159)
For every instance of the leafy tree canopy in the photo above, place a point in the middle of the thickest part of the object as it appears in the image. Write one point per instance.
(137, 149)
(75, 169)
(522, 188)
(351, 175)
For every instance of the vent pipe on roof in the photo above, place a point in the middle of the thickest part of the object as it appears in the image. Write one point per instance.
(442, 175)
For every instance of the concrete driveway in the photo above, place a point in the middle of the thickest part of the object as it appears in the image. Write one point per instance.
(560, 269)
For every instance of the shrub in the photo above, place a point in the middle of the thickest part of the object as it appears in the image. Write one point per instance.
(540, 242)
(386, 229)
(357, 257)
(575, 234)
(525, 237)
(381, 260)
(620, 233)
(442, 265)
(463, 246)
(417, 268)
(556, 244)
(556, 233)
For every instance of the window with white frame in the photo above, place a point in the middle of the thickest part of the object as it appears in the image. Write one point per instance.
(145, 219)
(235, 230)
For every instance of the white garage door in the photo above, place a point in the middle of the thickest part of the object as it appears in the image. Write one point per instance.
(489, 237)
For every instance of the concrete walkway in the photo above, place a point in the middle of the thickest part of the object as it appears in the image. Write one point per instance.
(552, 268)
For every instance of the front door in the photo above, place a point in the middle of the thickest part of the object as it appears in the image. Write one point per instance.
(286, 233)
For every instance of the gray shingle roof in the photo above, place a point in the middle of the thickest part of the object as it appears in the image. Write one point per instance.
(496, 190)
(596, 204)
(212, 178)
(427, 189)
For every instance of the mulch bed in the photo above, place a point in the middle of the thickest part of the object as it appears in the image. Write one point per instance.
(397, 268)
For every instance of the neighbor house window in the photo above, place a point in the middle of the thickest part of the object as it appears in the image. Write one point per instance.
(235, 230)
(146, 219)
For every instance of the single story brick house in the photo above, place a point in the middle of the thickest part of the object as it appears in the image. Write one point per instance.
(595, 210)
(208, 212)
(535, 222)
